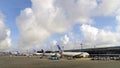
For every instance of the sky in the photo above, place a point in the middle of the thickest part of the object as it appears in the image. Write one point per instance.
(27, 24)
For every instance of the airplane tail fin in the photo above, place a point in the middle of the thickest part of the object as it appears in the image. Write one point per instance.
(42, 50)
(59, 48)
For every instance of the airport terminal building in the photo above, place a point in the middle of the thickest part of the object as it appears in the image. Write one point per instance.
(104, 50)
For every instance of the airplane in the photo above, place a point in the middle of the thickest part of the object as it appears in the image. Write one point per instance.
(44, 53)
(49, 53)
(38, 53)
(72, 54)
(15, 53)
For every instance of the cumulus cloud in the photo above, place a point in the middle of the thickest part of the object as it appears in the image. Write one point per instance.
(5, 41)
(101, 37)
(54, 42)
(65, 39)
(45, 18)
(108, 7)
(77, 10)
(49, 17)
(98, 37)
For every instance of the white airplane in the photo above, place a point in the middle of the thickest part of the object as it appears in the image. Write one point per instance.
(73, 54)
(40, 53)
(15, 53)
(45, 53)
(49, 53)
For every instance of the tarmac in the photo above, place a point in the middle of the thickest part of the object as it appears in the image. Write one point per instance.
(36, 62)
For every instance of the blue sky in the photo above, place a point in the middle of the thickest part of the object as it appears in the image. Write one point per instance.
(102, 22)
(11, 9)
(104, 19)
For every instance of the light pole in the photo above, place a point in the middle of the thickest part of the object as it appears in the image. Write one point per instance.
(81, 46)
